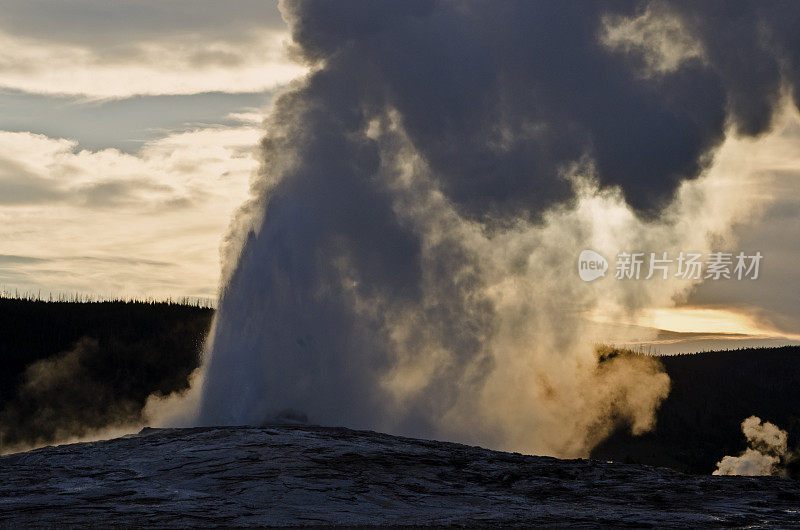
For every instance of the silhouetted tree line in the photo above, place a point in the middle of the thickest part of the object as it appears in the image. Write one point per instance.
(69, 367)
(712, 393)
(66, 367)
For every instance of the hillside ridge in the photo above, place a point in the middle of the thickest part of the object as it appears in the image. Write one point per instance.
(300, 475)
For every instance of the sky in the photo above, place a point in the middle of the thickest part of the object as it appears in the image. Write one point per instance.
(129, 136)
(731, 313)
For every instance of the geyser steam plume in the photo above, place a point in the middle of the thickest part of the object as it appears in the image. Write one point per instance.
(767, 452)
(407, 262)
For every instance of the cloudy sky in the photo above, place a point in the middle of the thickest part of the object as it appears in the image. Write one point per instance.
(128, 135)
(737, 313)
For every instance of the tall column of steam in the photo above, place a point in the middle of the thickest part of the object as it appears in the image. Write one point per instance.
(406, 262)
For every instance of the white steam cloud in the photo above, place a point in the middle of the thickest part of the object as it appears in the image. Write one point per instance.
(407, 261)
(766, 454)
(537, 384)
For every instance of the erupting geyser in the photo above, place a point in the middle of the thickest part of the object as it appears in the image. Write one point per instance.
(406, 263)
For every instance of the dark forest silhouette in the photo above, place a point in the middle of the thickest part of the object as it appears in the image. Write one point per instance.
(69, 367)
(712, 393)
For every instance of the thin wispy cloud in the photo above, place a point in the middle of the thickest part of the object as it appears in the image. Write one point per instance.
(98, 50)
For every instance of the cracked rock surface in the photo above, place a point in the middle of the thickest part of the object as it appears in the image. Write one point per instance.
(302, 475)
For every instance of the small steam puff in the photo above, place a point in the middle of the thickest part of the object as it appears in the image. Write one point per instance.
(59, 400)
(767, 453)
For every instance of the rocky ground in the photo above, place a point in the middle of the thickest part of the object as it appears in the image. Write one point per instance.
(301, 475)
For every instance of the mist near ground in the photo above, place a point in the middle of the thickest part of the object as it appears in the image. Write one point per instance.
(89, 371)
(73, 371)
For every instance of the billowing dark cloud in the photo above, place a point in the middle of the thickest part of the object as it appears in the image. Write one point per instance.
(499, 97)
(352, 271)
(752, 49)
